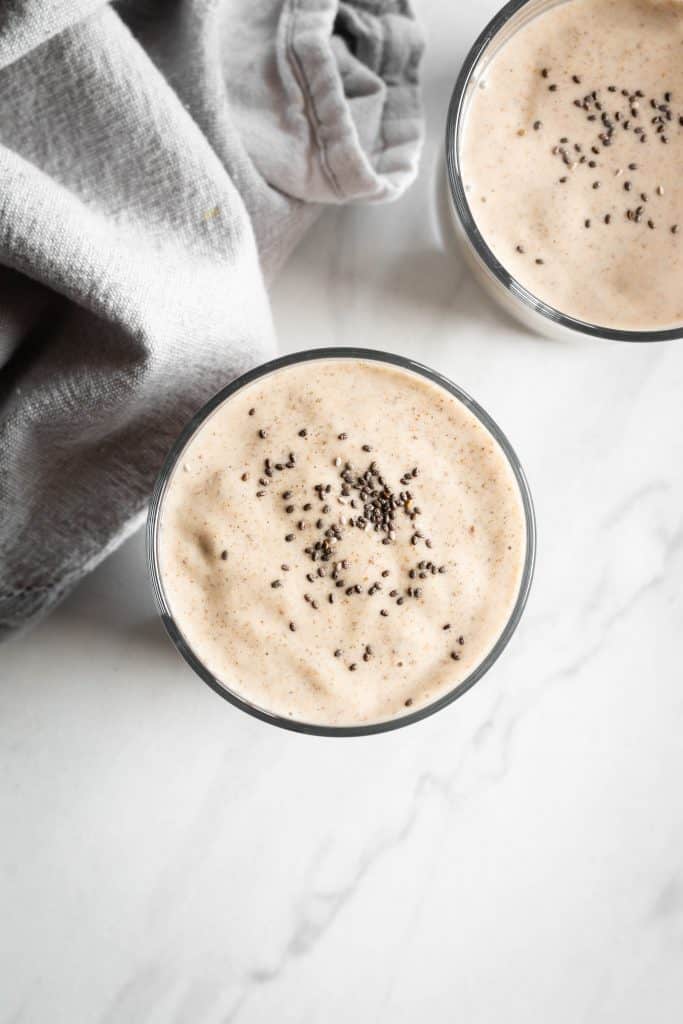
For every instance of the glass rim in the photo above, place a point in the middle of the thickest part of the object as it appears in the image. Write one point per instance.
(154, 520)
(454, 123)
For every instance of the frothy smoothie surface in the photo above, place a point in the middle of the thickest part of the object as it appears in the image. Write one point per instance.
(572, 158)
(342, 542)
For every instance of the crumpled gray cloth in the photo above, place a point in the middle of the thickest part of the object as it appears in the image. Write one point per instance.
(157, 159)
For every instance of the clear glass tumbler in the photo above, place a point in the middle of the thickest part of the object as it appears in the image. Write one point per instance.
(504, 288)
(175, 456)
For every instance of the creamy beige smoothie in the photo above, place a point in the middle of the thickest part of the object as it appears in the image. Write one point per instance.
(342, 542)
(572, 157)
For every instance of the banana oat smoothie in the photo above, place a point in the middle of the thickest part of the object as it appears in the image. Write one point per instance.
(342, 542)
(571, 157)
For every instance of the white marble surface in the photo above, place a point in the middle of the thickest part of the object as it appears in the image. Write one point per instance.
(517, 858)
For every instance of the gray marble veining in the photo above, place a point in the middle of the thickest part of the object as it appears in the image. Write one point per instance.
(515, 858)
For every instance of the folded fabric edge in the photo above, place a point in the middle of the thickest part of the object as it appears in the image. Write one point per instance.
(38, 602)
(22, 31)
(353, 172)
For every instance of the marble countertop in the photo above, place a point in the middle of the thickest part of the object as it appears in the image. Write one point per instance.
(517, 858)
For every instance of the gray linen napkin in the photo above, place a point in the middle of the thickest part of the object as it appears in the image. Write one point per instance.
(156, 159)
